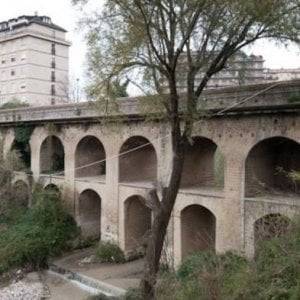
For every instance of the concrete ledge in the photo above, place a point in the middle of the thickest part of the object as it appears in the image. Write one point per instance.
(103, 288)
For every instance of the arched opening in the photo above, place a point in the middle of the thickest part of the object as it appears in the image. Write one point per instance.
(137, 224)
(23, 153)
(21, 193)
(203, 166)
(139, 165)
(90, 214)
(52, 156)
(268, 227)
(198, 227)
(90, 150)
(269, 166)
(53, 189)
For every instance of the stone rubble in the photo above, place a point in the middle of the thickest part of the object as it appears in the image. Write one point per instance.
(23, 290)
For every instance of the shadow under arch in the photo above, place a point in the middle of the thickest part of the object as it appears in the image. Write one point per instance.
(198, 230)
(90, 214)
(269, 165)
(138, 165)
(52, 156)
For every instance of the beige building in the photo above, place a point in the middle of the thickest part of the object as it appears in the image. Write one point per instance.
(34, 61)
(282, 74)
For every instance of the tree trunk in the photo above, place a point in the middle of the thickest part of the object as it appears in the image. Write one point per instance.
(161, 220)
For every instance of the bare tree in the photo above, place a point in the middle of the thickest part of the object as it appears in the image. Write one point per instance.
(146, 40)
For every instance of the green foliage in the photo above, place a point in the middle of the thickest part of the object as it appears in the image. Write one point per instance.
(294, 98)
(15, 103)
(109, 252)
(21, 144)
(274, 274)
(40, 232)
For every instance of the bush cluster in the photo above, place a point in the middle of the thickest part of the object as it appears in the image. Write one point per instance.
(110, 253)
(273, 274)
(40, 232)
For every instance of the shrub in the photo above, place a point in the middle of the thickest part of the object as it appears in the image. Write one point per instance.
(109, 252)
(41, 232)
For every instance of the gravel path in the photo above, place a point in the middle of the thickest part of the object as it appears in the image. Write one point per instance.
(22, 290)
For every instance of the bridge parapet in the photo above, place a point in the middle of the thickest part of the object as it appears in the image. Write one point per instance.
(274, 96)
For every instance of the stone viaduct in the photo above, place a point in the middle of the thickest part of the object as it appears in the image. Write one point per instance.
(235, 180)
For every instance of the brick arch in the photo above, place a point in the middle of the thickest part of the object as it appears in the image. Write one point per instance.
(89, 150)
(52, 155)
(198, 229)
(140, 164)
(268, 165)
(137, 219)
(269, 226)
(89, 202)
(53, 188)
(204, 164)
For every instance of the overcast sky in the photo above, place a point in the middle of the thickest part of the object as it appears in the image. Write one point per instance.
(63, 14)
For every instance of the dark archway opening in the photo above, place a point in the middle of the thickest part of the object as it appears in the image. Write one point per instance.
(203, 166)
(52, 156)
(90, 214)
(137, 224)
(140, 165)
(198, 227)
(269, 167)
(89, 151)
(268, 227)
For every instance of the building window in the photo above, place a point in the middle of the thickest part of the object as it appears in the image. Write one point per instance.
(53, 65)
(53, 90)
(53, 49)
(12, 72)
(13, 59)
(3, 61)
(23, 86)
(52, 101)
(53, 76)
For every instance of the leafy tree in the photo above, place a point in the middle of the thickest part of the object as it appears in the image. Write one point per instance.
(147, 41)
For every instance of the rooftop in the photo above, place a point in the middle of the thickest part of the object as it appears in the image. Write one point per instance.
(25, 20)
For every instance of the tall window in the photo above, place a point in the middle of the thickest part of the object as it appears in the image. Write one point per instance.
(53, 90)
(53, 76)
(53, 52)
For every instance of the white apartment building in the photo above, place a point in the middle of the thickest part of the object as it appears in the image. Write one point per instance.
(34, 61)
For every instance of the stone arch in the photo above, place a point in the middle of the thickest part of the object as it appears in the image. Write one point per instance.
(137, 223)
(198, 229)
(204, 165)
(90, 214)
(140, 164)
(21, 193)
(52, 156)
(268, 166)
(23, 152)
(90, 150)
(52, 188)
(268, 227)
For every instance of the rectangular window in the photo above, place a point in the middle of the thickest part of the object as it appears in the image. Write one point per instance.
(3, 61)
(53, 49)
(53, 76)
(53, 90)
(12, 72)
(53, 65)
(13, 59)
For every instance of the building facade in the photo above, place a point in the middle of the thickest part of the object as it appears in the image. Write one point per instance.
(34, 61)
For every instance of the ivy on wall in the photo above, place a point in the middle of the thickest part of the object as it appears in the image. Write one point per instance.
(21, 144)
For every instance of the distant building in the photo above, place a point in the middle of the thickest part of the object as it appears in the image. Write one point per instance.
(282, 74)
(241, 70)
(34, 61)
